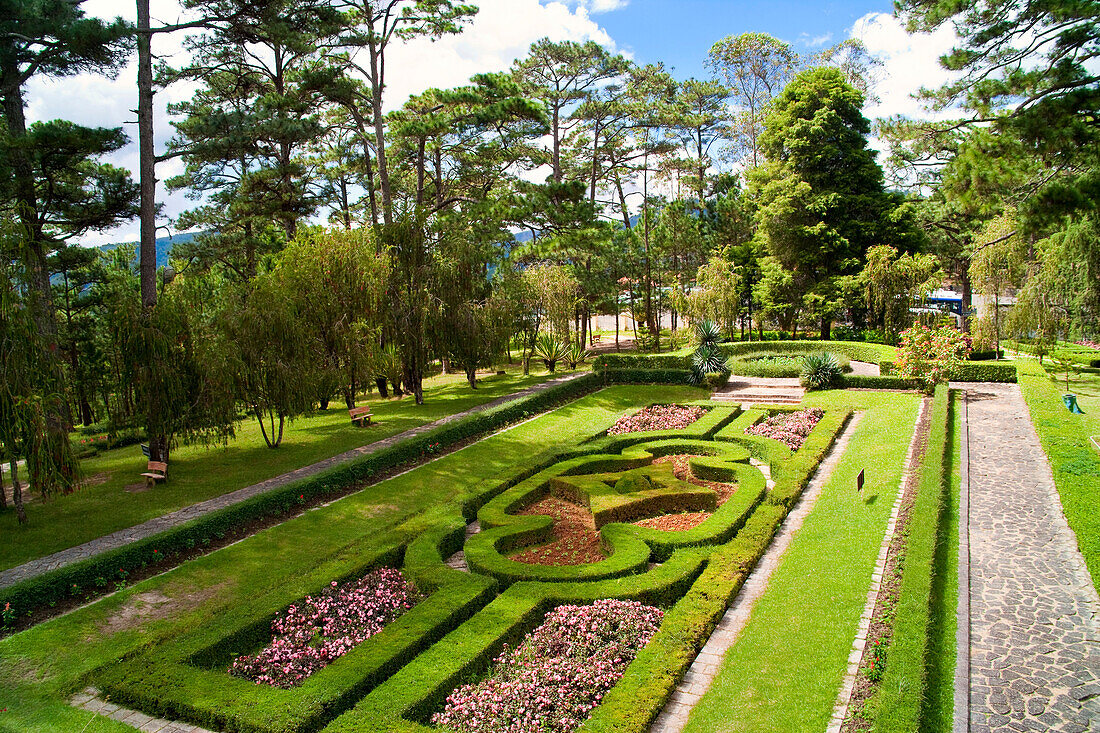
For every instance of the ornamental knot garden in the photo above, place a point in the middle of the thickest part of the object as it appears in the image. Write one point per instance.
(676, 519)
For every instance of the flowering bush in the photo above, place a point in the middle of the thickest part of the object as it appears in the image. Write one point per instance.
(1089, 344)
(310, 635)
(930, 355)
(551, 682)
(657, 417)
(790, 428)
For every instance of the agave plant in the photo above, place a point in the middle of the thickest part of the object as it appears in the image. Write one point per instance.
(709, 334)
(550, 350)
(820, 370)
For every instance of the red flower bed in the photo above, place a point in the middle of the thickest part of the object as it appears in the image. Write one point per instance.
(658, 417)
(551, 682)
(310, 635)
(790, 428)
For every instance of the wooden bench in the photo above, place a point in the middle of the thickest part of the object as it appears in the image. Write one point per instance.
(595, 339)
(155, 471)
(360, 415)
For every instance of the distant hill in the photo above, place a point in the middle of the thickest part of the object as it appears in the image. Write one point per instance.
(164, 246)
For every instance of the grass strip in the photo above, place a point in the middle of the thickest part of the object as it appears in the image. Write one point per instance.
(784, 672)
(1073, 461)
(903, 694)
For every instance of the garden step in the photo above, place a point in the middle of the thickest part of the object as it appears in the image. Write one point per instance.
(758, 396)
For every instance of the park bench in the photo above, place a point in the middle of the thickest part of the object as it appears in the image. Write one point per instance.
(360, 415)
(595, 339)
(155, 471)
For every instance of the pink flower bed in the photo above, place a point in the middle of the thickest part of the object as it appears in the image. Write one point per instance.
(551, 682)
(657, 417)
(1090, 344)
(790, 428)
(311, 634)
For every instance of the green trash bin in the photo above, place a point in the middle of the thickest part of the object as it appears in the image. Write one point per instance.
(1070, 401)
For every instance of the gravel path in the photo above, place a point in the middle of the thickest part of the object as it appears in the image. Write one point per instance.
(1034, 616)
(160, 524)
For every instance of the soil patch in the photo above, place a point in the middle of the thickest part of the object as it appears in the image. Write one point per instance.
(681, 469)
(137, 488)
(575, 540)
(675, 522)
(144, 607)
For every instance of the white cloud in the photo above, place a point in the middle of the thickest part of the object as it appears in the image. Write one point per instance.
(910, 62)
(815, 41)
(501, 32)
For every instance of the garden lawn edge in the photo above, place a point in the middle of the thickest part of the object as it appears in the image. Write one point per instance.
(902, 695)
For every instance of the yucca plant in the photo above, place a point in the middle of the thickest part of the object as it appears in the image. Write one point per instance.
(577, 355)
(708, 358)
(820, 370)
(550, 350)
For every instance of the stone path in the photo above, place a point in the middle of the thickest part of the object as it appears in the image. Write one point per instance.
(90, 700)
(160, 524)
(701, 674)
(1034, 616)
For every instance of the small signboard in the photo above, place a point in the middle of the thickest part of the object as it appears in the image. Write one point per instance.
(859, 481)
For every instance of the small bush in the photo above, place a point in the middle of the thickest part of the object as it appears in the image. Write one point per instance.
(820, 370)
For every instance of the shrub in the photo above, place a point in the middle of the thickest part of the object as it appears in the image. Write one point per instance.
(561, 671)
(551, 350)
(820, 370)
(930, 356)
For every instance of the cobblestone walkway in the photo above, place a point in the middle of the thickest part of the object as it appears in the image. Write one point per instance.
(160, 524)
(1034, 651)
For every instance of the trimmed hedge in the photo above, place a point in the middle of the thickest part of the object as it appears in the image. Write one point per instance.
(78, 578)
(185, 679)
(979, 371)
(629, 548)
(646, 362)
(407, 700)
(870, 381)
(904, 687)
(647, 376)
(872, 353)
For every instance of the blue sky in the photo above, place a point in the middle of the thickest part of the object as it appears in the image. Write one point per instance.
(680, 32)
(677, 32)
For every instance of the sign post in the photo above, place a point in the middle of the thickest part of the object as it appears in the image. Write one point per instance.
(859, 482)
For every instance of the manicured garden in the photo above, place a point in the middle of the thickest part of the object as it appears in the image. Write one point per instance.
(166, 645)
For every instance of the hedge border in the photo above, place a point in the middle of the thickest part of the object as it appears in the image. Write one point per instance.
(50, 588)
(184, 679)
(903, 691)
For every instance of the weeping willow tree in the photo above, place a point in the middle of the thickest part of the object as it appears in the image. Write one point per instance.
(893, 283)
(28, 396)
(998, 264)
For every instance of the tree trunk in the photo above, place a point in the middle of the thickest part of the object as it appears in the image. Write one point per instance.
(966, 298)
(380, 382)
(147, 249)
(3, 492)
(17, 492)
(471, 376)
(377, 80)
(826, 328)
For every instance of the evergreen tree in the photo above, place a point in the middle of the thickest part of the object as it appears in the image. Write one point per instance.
(821, 196)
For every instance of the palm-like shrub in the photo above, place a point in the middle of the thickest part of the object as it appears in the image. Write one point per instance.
(577, 354)
(708, 358)
(550, 350)
(820, 370)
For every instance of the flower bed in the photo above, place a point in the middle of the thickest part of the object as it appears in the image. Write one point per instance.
(1089, 344)
(551, 682)
(790, 428)
(658, 417)
(322, 628)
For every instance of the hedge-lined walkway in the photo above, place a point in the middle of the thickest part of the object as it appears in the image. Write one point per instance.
(1034, 650)
(155, 526)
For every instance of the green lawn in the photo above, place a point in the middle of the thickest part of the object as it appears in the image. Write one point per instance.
(1074, 462)
(40, 667)
(785, 671)
(199, 472)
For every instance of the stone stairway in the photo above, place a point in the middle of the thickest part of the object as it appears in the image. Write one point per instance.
(761, 390)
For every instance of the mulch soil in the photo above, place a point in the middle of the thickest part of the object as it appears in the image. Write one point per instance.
(575, 539)
(882, 619)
